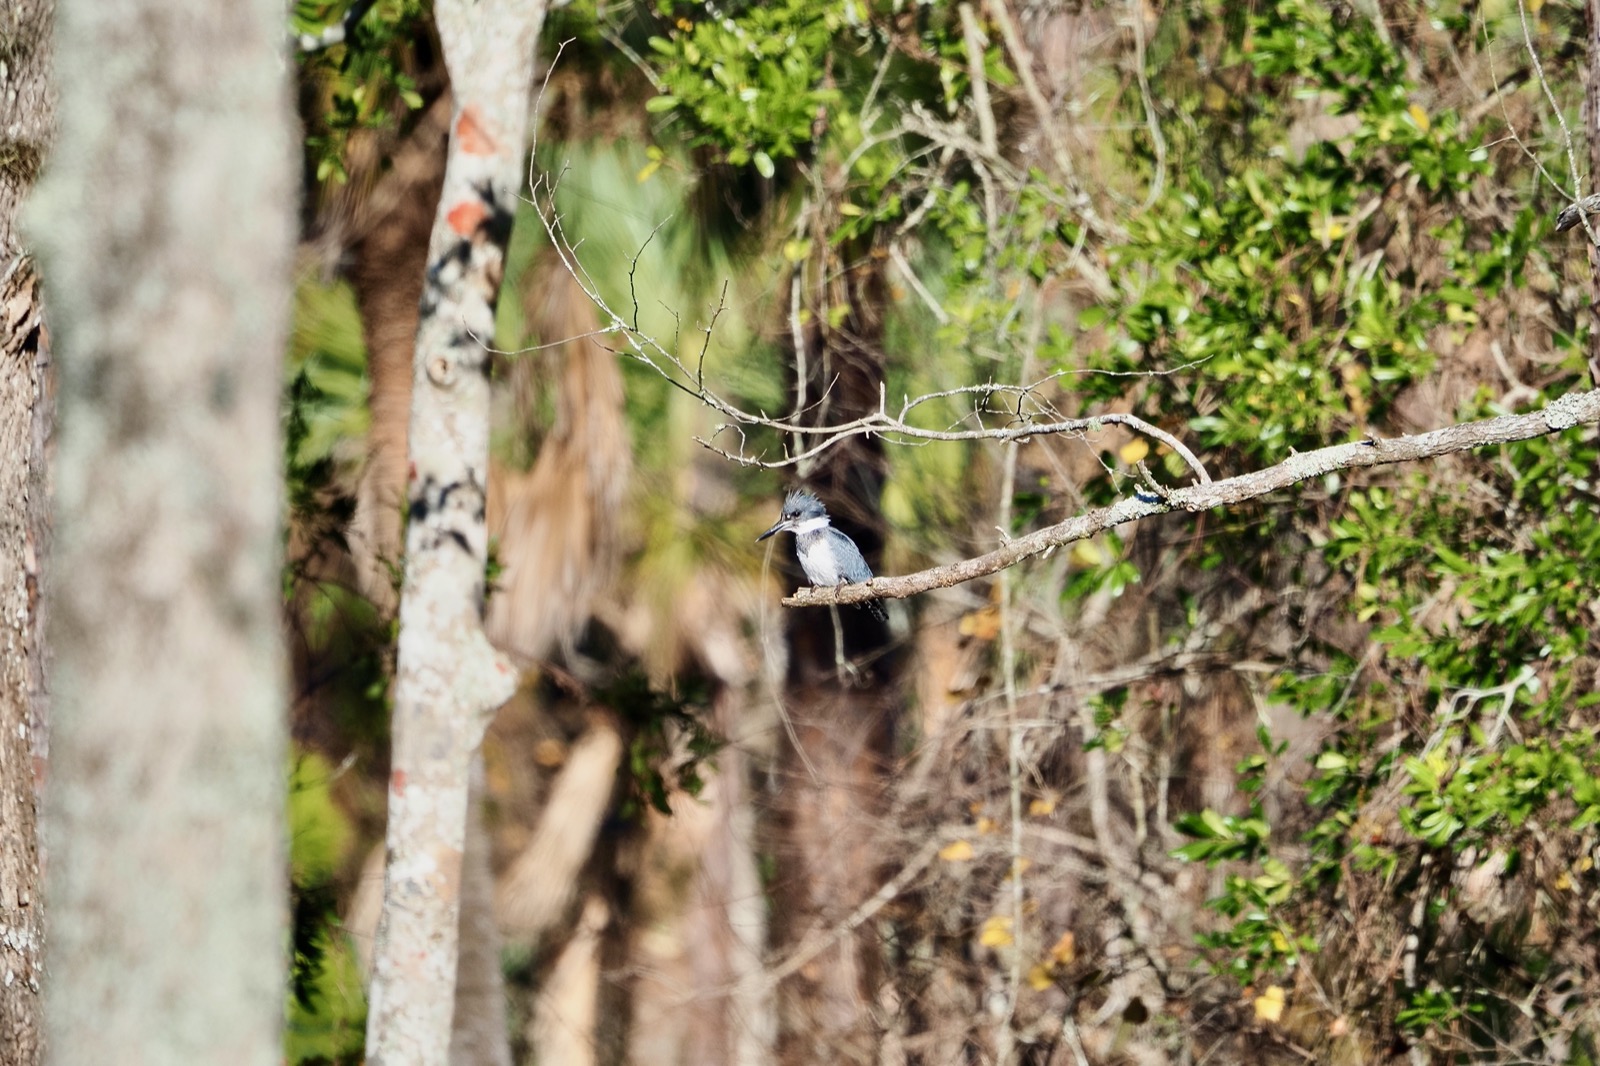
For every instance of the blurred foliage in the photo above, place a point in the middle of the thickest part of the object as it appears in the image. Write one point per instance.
(327, 367)
(669, 742)
(362, 83)
(327, 1009)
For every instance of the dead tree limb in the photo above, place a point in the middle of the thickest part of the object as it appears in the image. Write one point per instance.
(1565, 412)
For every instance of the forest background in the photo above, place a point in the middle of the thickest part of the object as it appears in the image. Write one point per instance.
(1307, 776)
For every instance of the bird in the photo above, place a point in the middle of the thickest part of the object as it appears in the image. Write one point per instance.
(827, 556)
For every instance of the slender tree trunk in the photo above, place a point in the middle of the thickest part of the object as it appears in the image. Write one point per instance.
(843, 714)
(168, 223)
(24, 411)
(26, 406)
(449, 679)
(1591, 126)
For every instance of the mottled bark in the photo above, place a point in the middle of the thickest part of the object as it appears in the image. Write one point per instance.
(389, 235)
(24, 410)
(449, 679)
(166, 233)
(26, 407)
(1591, 126)
(478, 1033)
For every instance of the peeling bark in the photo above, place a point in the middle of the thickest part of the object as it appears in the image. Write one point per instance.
(166, 230)
(450, 680)
(1591, 126)
(26, 406)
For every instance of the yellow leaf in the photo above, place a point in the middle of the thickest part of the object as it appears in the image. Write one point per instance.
(996, 932)
(988, 825)
(1020, 867)
(1087, 553)
(1563, 882)
(796, 251)
(1042, 807)
(1419, 116)
(1269, 1005)
(1066, 949)
(1280, 942)
(957, 851)
(1134, 450)
(1585, 864)
(1040, 977)
(850, 210)
(648, 169)
(983, 623)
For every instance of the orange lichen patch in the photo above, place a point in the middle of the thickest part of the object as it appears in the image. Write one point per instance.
(397, 783)
(471, 135)
(467, 216)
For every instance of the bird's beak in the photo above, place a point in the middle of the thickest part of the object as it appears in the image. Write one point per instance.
(782, 524)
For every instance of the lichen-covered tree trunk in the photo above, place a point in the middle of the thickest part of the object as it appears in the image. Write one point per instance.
(449, 679)
(166, 228)
(25, 414)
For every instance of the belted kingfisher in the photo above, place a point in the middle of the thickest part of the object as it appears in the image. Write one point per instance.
(826, 555)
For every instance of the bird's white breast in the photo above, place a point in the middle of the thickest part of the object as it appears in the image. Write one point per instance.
(820, 563)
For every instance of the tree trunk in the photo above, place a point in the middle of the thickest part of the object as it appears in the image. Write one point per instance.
(24, 411)
(168, 223)
(1591, 126)
(843, 720)
(449, 679)
(26, 406)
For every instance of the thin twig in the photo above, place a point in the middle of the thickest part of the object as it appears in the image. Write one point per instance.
(972, 38)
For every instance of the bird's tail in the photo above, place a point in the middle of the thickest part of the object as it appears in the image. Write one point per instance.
(875, 608)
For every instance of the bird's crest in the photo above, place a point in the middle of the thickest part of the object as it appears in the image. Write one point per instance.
(802, 502)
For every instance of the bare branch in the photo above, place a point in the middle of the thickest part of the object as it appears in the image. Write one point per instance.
(882, 424)
(972, 36)
(1571, 410)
